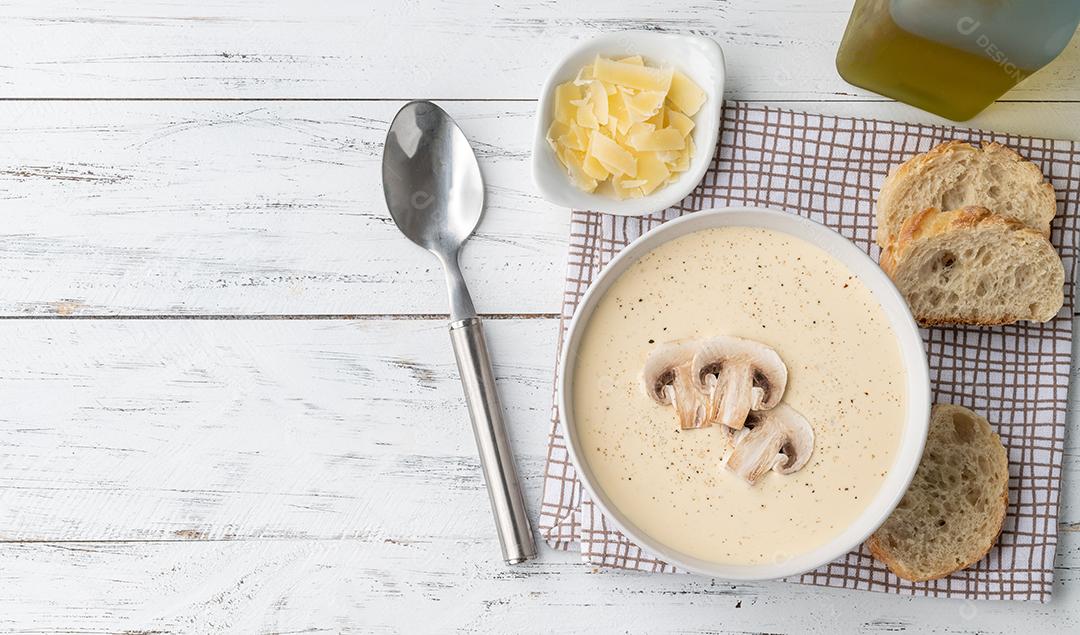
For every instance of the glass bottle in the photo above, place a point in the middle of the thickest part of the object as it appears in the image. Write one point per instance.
(952, 57)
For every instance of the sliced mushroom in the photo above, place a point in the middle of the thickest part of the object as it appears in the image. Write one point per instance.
(667, 379)
(779, 439)
(738, 376)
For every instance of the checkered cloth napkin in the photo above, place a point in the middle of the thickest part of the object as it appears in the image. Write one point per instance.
(828, 169)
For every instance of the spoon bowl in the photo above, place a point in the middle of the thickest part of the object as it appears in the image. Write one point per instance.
(431, 178)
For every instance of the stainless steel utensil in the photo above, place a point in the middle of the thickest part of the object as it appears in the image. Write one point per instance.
(435, 194)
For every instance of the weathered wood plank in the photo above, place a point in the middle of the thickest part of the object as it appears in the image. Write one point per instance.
(775, 49)
(177, 208)
(397, 584)
(266, 429)
(211, 430)
(166, 208)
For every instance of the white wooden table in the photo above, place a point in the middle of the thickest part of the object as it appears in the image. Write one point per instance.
(227, 398)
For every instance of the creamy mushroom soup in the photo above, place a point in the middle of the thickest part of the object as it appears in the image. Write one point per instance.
(844, 375)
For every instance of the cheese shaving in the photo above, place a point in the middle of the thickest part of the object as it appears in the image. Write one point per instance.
(685, 94)
(657, 140)
(623, 128)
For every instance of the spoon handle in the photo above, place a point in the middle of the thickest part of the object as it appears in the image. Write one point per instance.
(496, 458)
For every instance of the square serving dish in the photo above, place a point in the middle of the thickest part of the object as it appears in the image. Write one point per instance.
(700, 58)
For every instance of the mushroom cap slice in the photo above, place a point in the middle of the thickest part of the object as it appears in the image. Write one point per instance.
(738, 375)
(666, 379)
(779, 439)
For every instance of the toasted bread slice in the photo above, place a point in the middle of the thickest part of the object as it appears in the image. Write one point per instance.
(970, 266)
(957, 174)
(954, 509)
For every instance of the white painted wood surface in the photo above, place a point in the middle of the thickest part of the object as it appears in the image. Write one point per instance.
(304, 463)
(444, 49)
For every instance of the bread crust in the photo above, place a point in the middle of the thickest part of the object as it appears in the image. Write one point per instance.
(879, 550)
(933, 222)
(918, 166)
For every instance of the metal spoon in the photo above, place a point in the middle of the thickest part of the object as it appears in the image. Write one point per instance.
(435, 194)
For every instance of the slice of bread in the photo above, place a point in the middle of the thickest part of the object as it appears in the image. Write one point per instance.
(970, 266)
(957, 174)
(954, 509)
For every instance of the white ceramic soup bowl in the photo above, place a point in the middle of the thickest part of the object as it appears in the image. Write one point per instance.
(913, 436)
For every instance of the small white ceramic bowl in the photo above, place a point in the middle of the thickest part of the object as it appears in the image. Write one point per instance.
(913, 354)
(700, 58)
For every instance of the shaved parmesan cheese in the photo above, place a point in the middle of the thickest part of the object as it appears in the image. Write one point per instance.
(564, 95)
(680, 122)
(622, 191)
(683, 162)
(575, 138)
(651, 170)
(657, 140)
(617, 112)
(586, 118)
(573, 161)
(685, 94)
(639, 129)
(594, 168)
(669, 156)
(584, 76)
(646, 103)
(598, 100)
(657, 120)
(632, 75)
(622, 128)
(556, 130)
(612, 155)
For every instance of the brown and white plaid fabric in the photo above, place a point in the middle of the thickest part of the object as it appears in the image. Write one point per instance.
(828, 169)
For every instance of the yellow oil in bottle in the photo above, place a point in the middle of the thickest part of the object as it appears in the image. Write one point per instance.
(955, 72)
